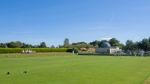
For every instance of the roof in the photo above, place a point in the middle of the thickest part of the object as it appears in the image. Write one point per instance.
(105, 45)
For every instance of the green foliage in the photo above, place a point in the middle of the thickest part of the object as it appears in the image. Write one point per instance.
(66, 43)
(95, 43)
(52, 46)
(24, 45)
(14, 44)
(18, 44)
(42, 45)
(121, 46)
(129, 45)
(11, 50)
(141, 45)
(19, 50)
(79, 45)
(114, 42)
(3, 45)
(145, 44)
(50, 49)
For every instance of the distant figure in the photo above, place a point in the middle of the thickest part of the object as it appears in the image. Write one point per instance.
(27, 51)
(8, 73)
(23, 51)
(30, 51)
(142, 52)
(73, 52)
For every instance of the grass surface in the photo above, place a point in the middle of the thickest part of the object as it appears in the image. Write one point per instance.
(54, 68)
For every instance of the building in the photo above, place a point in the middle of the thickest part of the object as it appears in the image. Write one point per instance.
(106, 48)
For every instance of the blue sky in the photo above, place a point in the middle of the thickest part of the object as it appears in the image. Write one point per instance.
(34, 21)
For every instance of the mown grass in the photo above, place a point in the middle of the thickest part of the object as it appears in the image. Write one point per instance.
(62, 68)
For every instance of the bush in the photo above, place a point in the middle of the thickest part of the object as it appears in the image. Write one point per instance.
(10, 50)
(49, 49)
(19, 50)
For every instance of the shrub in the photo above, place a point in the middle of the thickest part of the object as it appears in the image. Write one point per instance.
(10, 50)
(49, 49)
(19, 50)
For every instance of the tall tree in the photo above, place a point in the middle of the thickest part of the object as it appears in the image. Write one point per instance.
(145, 44)
(52, 46)
(24, 45)
(66, 43)
(3, 45)
(121, 46)
(42, 45)
(135, 46)
(14, 44)
(114, 42)
(95, 43)
(129, 45)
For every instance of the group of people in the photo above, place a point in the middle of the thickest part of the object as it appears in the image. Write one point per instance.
(27, 51)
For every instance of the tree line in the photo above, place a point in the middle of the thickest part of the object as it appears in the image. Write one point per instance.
(93, 44)
(144, 44)
(18, 44)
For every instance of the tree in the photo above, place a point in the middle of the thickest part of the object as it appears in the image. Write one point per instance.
(52, 46)
(14, 44)
(79, 45)
(36, 46)
(42, 45)
(129, 45)
(24, 45)
(145, 44)
(66, 43)
(60, 46)
(135, 46)
(101, 43)
(3, 45)
(95, 43)
(114, 42)
(121, 46)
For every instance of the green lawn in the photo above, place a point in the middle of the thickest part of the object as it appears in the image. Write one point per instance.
(54, 68)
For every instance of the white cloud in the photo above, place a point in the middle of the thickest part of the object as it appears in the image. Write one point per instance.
(106, 38)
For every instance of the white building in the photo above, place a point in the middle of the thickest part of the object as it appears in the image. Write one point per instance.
(105, 48)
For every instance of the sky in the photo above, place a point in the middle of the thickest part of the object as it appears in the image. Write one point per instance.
(51, 21)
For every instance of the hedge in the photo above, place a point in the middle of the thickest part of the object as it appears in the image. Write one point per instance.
(19, 50)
